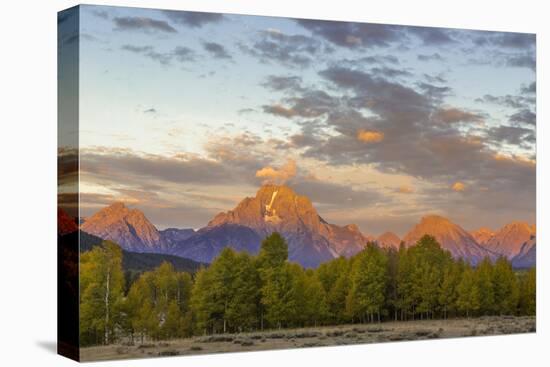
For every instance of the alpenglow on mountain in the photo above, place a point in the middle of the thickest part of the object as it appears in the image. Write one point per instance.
(311, 239)
(132, 230)
(450, 236)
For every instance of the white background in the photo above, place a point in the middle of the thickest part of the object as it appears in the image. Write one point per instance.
(28, 182)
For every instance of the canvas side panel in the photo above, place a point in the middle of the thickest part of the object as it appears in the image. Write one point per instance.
(67, 184)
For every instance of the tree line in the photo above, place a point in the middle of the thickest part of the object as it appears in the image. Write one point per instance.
(239, 292)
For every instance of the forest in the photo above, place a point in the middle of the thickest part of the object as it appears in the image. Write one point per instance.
(239, 292)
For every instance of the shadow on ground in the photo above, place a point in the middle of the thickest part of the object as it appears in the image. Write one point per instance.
(48, 345)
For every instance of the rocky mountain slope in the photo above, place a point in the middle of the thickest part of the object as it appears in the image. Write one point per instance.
(483, 235)
(127, 227)
(509, 240)
(527, 256)
(171, 236)
(311, 239)
(388, 239)
(451, 237)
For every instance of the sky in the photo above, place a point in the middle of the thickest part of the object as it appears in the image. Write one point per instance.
(183, 114)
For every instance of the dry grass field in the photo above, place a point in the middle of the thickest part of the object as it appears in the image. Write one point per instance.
(315, 337)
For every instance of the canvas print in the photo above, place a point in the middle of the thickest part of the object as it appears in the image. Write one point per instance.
(239, 183)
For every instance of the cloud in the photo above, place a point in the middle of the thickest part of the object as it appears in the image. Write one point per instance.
(512, 135)
(390, 72)
(128, 163)
(413, 145)
(279, 110)
(329, 196)
(384, 97)
(505, 39)
(432, 57)
(216, 50)
(431, 36)
(434, 92)
(283, 83)
(522, 61)
(280, 175)
(181, 54)
(142, 24)
(184, 54)
(530, 88)
(295, 51)
(101, 14)
(375, 59)
(458, 186)
(455, 115)
(524, 116)
(353, 35)
(435, 78)
(67, 166)
(507, 100)
(137, 49)
(312, 103)
(193, 19)
(515, 40)
(367, 136)
(405, 190)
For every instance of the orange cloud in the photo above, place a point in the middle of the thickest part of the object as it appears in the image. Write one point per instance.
(458, 186)
(280, 175)
(369, 136)
(405, 190)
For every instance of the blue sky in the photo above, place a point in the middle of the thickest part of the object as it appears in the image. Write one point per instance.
(377, 124)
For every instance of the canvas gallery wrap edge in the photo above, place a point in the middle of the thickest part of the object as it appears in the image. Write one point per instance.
(234, 183)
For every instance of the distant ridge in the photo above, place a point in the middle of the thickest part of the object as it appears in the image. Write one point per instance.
(509, 240)
(129, 228)
(450, 236)
(311, 239)
(388, 239)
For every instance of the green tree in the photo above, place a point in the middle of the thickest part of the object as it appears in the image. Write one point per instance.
(101, 290)
(506, 289)
(368, 284)
(528, 293)
(202, 304)
(242, 308)
(484, 278)
(315, 309)
(405, 283)
(392, 296)
(280, 294)
(428, 262)
(158, 303)
(468, 300)
(225, 295)
(448, 294)
(334, 277)
(273, 251)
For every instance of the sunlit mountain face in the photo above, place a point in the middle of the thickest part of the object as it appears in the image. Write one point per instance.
(311, 239)
(183, 115)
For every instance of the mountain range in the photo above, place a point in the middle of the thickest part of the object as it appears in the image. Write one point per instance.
(71, 239)
(311, 239)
